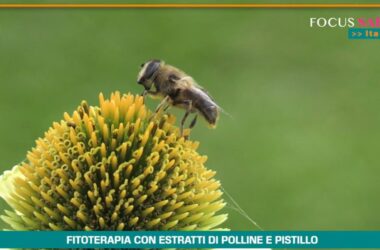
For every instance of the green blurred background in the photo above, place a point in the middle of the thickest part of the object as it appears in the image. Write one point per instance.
(302, 149)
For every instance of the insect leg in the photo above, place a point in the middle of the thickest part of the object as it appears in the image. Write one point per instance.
(162, 103)
(193, 122)
(166, 108)
(149, 92)
(189, 107)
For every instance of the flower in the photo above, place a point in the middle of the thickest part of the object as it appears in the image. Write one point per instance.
(113, 167)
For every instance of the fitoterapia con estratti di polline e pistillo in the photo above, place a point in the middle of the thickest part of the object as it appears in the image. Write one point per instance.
(119, 166)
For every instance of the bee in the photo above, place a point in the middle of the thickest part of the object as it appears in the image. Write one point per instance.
(177, 89)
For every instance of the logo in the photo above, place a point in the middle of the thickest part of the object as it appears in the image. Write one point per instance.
(358, 28)
(332, 22)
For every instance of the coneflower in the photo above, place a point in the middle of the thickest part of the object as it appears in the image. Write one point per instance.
(113, 167)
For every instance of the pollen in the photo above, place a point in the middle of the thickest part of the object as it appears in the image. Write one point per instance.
(116, 166)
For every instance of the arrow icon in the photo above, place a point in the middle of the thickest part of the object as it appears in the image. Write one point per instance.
(356, 34)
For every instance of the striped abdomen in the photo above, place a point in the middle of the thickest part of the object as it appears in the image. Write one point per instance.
(204, 104)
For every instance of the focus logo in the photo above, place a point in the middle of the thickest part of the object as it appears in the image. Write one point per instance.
(332, 22)
(358, 28)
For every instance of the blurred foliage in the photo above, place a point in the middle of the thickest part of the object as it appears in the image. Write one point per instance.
(301, 151)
